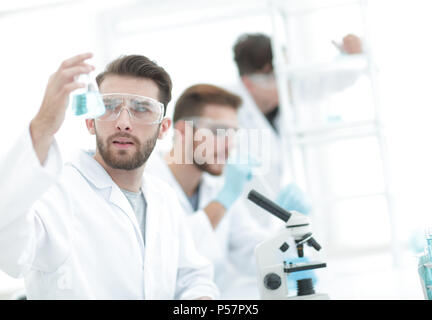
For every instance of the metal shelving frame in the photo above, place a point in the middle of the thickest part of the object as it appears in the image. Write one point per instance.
(302, 138)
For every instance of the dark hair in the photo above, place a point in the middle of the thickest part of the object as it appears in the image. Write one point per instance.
(252, 52)
(140, 67)
(195, 98)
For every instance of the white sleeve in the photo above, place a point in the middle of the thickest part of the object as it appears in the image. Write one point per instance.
(243, 238)
(24, 181)
(195, 272)
(316, 87)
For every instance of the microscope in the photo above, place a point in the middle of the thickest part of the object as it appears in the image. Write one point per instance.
(272, 281)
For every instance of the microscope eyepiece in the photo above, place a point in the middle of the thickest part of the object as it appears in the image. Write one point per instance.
(269, 205)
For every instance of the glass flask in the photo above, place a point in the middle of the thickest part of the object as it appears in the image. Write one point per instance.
(87, 102)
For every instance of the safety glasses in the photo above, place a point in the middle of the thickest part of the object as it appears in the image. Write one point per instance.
(141, 109)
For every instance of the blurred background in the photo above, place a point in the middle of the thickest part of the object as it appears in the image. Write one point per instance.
(366, 163)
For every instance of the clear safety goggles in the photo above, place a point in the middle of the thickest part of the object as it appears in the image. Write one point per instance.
(215, 126)
(141, 109)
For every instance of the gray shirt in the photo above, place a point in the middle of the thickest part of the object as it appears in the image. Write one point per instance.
(139, 206)
(194, 199)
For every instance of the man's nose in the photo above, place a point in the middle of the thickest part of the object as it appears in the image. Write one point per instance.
(123, 120)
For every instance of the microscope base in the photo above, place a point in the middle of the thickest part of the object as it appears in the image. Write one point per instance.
(315, 296)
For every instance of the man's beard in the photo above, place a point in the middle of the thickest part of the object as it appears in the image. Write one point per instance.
(210, 169)
(119, 159)
(210, 164)
(214, 167)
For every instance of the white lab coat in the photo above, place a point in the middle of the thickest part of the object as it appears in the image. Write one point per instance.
(72, 234)
(275, 174)
(231, 245)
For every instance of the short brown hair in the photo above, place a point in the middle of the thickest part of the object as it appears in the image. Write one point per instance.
(140, 67)
(194, 99)
(252, 52)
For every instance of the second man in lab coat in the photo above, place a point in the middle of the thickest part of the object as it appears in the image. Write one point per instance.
(223, 231)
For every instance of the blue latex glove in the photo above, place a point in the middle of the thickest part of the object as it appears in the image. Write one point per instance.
(292, 198)
(236, 176)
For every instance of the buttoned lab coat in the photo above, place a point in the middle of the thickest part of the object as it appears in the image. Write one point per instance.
(275, 172)
(72, 234)
(231, 246)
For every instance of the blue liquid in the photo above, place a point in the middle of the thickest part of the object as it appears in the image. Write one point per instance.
(88, 105)
(79, 104)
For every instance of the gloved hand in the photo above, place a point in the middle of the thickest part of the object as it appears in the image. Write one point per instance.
(292, 198)
(236, 176)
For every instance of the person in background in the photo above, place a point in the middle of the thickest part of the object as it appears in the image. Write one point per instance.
(209, 185)
(261, 110)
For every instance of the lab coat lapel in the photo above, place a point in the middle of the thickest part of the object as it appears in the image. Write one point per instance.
(169, 177)
(119, 199)
(209, 185)
(153, 265)
(93, 172)
(251, 117)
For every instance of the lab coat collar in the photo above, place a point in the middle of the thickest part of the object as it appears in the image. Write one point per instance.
(92, 170)
(208, 188)
(97, 175)
(250, 115)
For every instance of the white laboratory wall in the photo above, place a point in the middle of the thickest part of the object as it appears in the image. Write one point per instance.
(403, 54)
(35, 42)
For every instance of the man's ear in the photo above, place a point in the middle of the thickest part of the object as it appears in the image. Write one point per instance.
(90, 123)
(164, 127)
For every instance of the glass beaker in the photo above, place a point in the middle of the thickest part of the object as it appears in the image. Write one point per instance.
(87, 102)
